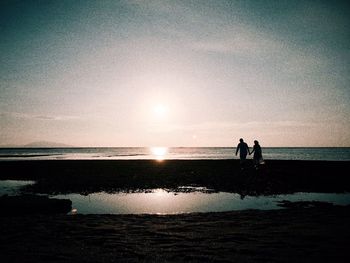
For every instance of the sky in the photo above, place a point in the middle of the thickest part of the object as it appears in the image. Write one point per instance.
(175, 73)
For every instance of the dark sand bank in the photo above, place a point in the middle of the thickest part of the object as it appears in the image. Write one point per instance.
(291, 235)
(221, 175)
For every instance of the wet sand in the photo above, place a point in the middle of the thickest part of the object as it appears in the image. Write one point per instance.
(276, 177)
(296, 234)
(291, 235)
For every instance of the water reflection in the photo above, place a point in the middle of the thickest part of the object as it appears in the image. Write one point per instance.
(189, 200)
(12, 187)
(160, 201)
(159, 153)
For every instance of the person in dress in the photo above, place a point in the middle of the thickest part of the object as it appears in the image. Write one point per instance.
(257, 157)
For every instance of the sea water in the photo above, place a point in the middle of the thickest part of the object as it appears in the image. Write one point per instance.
(161, 201)
(162, 153)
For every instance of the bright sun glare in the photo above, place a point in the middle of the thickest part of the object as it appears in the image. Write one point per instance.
(159, 152)
(160, 111)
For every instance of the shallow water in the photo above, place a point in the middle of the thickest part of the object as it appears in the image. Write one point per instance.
(12, 187)
(160, 201)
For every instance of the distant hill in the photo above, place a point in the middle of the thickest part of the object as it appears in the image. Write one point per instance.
(46, 144)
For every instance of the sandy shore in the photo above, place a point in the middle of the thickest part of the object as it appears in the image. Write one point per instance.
(318, 234)
(291, 235)
(222, 175)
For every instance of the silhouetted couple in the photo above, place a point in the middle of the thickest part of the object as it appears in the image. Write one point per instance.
(243, 150)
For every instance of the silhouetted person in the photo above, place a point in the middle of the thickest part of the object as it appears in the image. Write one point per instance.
(257, 157)
(243, 149)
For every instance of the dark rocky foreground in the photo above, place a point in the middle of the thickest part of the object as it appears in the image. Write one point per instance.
(33, 204)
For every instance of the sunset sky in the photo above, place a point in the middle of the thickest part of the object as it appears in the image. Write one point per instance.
(175, 73)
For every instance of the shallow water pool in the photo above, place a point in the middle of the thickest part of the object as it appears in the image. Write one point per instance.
(12, 187)
(160, 201)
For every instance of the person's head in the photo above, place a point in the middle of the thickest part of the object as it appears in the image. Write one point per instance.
(256, 142)
(241, 140)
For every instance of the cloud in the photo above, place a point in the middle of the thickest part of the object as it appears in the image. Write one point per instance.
(17, 115)
(232, 126)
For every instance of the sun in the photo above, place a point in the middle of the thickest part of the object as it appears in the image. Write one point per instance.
(160, 111)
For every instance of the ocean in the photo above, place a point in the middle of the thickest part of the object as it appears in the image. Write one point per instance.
(164, 153)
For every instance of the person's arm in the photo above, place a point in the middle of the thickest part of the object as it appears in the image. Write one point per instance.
(237, 149)
(252, 150)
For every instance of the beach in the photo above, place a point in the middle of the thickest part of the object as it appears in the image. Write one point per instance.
(292, 235)
(298, 233)
(88, 176)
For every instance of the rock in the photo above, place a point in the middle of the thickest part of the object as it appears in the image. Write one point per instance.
(33, 204)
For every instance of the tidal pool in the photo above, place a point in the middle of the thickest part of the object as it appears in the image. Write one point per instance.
(160, 201)
(12, 187)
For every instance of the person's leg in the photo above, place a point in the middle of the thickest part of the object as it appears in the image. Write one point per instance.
(242, 161)
(256, 162)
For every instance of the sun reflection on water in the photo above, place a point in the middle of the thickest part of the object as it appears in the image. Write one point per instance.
(159, 153)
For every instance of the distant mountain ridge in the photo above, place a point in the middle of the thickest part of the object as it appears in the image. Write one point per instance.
(46, 144)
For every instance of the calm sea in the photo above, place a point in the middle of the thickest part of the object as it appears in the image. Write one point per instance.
(132, 153)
